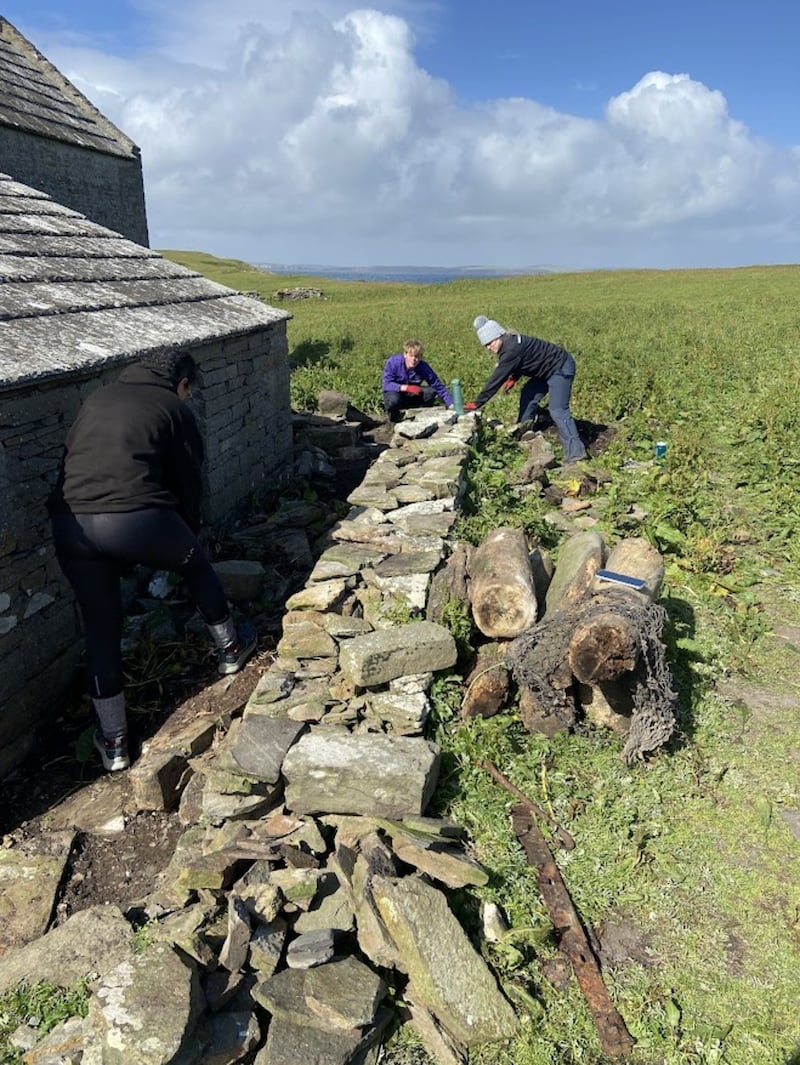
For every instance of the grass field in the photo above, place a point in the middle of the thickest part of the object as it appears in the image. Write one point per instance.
(689, 856)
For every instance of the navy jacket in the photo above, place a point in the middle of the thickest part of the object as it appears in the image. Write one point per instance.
(522, 356)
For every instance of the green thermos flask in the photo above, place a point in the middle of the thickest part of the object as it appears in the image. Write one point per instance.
(458, 396)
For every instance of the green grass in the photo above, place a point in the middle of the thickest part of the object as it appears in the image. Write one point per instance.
(690, 849)
(41, 1006)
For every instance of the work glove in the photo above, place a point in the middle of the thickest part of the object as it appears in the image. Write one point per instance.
(470, 406)
(509, 384)
(414, 390)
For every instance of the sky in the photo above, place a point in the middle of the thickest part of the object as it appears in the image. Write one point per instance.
(583, 134)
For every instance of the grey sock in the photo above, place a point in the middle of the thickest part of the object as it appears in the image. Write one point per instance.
(111, 715)
(223, 634)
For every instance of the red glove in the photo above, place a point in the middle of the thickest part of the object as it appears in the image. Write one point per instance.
(414, 390)
(510, 382)
(470, 406)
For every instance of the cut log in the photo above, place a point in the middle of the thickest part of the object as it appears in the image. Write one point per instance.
(501, 590)
(635, 557)
(547, 719)
(579, 558)
(607, 705)
(604, 645)
(487, 684)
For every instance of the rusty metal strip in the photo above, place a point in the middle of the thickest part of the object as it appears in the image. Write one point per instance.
(615, 1039)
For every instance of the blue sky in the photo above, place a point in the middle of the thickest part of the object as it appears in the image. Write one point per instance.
(584, 134)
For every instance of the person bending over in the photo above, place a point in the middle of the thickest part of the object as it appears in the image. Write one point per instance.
(408, 381)
(128, 492)
(550, 370)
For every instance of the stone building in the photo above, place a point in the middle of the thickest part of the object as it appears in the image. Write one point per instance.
(54, 139)
(77, 303)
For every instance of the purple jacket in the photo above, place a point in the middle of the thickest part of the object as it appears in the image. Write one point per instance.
(396, 373)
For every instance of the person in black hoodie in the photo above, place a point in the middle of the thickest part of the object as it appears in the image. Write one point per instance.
(550, 370)
(129, 491)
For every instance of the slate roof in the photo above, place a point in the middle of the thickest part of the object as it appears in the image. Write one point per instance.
(37, 98)
(74, 295)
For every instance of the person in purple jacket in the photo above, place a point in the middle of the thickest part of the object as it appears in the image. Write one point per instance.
(550, 370)
(408, 381)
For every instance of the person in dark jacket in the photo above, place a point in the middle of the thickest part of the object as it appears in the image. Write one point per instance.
(408, 381)
(550, 370)
(129, 491)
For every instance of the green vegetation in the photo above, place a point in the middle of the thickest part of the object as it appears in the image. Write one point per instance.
(689, 853)
(40, 1006)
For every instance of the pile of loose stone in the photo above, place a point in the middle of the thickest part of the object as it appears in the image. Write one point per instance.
(308, 880)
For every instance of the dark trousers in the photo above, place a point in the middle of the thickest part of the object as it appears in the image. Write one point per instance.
(94, 549)
(394, 403)
(559, 388)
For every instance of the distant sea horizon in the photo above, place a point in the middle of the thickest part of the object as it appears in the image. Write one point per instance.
(418, 275)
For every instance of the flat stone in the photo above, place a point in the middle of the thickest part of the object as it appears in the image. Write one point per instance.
(266, 947)
(342, 627)
(446, 864)
(92, 940)
(405, 714)
(63, 1044)
(30, 876)
(408, 562)
(143, 1010)
(331, 909)
(344, 993)
(388, 776)
(272, 687)
(449, 976)
(311, 948)
(431, 524)
(381, 656)
(324, 595)
(160, 773)
(293, 1044)
(259, 744)
(304, 692)
(411, 589)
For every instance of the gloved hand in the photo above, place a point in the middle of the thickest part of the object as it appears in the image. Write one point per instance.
(414, 390)
(509, 384)
(470, 406)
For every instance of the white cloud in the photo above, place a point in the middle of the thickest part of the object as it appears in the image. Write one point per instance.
(319, 138)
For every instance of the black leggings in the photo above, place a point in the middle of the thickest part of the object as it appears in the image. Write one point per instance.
(92, 551)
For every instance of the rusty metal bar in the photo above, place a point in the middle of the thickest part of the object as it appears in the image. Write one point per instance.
(615, 1039)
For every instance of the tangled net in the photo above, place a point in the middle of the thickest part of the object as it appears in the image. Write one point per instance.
(538, 661)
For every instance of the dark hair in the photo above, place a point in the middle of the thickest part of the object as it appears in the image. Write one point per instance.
(174, 365)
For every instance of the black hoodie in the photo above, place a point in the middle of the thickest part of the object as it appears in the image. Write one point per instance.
(134, 444)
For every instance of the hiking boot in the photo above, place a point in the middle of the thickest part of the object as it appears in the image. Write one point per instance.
(113, 752)
(233, 657)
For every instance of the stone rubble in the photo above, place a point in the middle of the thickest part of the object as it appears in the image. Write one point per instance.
(308, 874)
(307, 865)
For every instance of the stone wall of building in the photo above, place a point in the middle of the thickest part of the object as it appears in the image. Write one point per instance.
(108, 189)
(243, 407)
